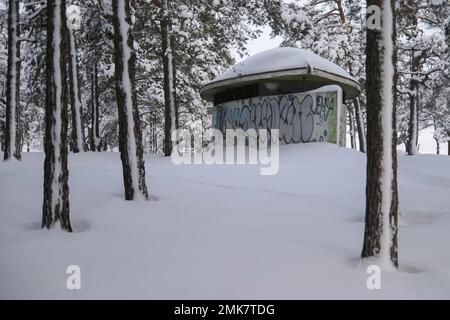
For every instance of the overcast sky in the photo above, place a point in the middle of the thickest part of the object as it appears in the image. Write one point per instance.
(264, 42)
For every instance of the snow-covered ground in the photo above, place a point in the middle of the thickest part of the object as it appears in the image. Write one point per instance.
(223, 231)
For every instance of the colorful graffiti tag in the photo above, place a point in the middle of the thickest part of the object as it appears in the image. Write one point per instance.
(303, 117)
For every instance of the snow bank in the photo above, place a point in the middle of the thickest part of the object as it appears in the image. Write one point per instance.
(223, 231)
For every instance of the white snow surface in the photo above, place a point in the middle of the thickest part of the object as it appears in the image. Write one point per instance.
(282, 58)
(223, 231)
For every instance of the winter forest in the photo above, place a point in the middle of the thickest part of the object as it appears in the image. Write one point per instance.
(92, 93)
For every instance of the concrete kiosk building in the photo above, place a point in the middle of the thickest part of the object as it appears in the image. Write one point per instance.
(290, 89)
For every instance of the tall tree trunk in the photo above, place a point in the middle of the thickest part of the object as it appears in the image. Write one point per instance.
(2, 137)
(341, 11)
(436, 139)
(360, 125)
(2, 119)
(170, 111)
(413, 125)
(447, 37)
(380, 236)
(130, 137)
(75, 96)
(357, 108)
(95, 114)
(56, 174)
(447, 29)
(448, 143)
(12, 126)
(352, 128)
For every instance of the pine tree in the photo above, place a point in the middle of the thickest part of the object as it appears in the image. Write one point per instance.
(334, 30)
(447, 37)
(3, 75)
(130, 139)
(34, 73)
(351, 124)
(56, 174)
(413, 30)
(12, 126)
(360, 125)
(75, 94)
(170, 112)
(380, 236)
(3, 72)
(351, 55)
(95, 112)
(421, 58)
(96, 64)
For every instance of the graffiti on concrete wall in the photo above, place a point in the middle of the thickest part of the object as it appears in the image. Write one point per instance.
(302, 117)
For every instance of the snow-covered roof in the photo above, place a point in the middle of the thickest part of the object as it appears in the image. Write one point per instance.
(283, 63)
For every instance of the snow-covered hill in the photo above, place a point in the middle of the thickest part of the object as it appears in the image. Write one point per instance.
(223, 231)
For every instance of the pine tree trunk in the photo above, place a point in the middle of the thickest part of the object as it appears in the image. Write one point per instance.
(95, 115)
(352, 128)
(341, 11)
(75, 96)
(380, 236)
(56, 174)
(174, 110)
(170, 111)
(413, 125)
(130, 137)
(413, 121)
(12, 126)
(357, 113)
(447, 32)
(447, 37)
(342, 140)
(360, 126)
(2, 119)
(2, 137)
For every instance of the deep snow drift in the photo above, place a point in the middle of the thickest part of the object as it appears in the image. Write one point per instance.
(223, 231)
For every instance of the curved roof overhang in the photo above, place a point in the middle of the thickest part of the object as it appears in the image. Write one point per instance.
(350, 86)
